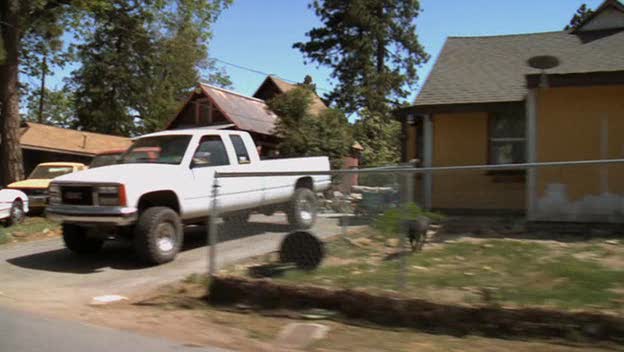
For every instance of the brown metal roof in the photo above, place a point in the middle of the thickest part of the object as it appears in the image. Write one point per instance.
(37, 136)
(247, 113)
(493, 69)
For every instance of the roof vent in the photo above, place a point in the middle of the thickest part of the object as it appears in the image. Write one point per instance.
(543, 63)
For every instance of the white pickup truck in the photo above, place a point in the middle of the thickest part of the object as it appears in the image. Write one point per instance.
(148, 199)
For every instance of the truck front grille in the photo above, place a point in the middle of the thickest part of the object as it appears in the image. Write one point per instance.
(77, 195)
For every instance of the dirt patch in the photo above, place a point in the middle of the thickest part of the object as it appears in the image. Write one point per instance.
(394, 310)
(179, 312)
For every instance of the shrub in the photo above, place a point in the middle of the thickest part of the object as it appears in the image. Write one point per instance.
(390, 221)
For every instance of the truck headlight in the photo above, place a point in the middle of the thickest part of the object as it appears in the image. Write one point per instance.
(111, 195)
(54, 193)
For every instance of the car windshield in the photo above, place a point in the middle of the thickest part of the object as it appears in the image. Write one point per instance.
(157, 150)
(50, 171)
(104, 160)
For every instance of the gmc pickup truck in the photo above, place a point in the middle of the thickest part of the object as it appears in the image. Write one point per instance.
(149, 200)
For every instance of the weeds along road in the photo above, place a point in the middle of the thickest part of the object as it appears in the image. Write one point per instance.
(43, 275)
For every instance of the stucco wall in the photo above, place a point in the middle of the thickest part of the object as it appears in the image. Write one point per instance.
(462, 139)
(580, 123)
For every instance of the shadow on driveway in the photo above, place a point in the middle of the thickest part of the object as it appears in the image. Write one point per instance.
(121, 256)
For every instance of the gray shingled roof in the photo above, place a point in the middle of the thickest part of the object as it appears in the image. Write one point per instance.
(493, 68)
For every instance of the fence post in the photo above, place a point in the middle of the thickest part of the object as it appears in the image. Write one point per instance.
(407, 199)
(212, 230)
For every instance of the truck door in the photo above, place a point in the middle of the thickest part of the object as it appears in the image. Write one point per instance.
(215, 154)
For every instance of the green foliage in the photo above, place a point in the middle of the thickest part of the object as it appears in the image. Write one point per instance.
(581, 14)
(303, 134)
(139, 61)
(390, 221)
(371, 47)
(380, 136)
(58, 110)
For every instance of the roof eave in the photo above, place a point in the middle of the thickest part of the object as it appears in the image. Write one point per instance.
(580, 79)
(421, 110)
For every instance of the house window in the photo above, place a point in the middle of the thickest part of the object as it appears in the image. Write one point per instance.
(507, 137)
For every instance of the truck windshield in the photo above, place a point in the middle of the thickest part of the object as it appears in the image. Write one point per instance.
(50, 171)
(157, 150)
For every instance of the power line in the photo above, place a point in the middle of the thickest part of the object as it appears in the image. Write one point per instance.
(241, 67)
(262, 73)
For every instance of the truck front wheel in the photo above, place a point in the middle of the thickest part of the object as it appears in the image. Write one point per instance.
(158, 235)
(302, 209)
(77, 241)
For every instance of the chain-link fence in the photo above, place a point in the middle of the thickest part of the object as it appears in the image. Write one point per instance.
(517, 234)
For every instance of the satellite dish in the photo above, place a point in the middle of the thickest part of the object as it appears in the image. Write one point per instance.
(543, 62)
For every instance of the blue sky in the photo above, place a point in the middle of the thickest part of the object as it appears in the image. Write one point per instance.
(259, 33)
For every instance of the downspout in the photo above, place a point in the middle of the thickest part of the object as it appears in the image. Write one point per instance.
(531, 152)
(427, 161)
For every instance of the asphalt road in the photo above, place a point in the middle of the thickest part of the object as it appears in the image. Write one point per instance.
(45, 274)
(25, 332)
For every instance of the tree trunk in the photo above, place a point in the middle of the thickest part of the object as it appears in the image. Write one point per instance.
(11, 162)
(44, 69)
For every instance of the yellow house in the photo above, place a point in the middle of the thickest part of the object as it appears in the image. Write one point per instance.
(540, 97)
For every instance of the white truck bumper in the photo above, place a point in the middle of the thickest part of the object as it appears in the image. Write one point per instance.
(91, 215)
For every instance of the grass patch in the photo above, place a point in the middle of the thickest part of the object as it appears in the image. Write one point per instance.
(512, 272)
(33, 225)
(4, 237)
(32, 228)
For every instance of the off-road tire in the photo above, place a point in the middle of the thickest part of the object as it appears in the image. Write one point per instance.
(17, 214)
(77, 241)
(158, 224)
(302, 216)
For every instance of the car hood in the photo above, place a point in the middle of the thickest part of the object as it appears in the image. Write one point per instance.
(124, 173)
(30, 183)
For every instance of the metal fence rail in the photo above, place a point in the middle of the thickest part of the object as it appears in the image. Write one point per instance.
(421, 170)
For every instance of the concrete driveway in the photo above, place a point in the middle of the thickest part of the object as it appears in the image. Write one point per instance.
(44, 274)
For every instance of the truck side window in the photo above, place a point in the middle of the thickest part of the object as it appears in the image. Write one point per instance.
(210, 152)
(239, 147)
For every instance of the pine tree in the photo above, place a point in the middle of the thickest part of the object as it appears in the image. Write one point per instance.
(373, 51)
(579, 17)
(140, 61)
(371, 47)
(24, 24)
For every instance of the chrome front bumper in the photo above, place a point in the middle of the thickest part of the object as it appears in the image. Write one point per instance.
(100, 215)
(38, 201)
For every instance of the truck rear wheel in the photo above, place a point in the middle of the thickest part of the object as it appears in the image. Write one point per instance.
(77, 241)
(301, 211)
(158, 235)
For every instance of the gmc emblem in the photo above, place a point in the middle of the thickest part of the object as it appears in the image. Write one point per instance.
(73, 195)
